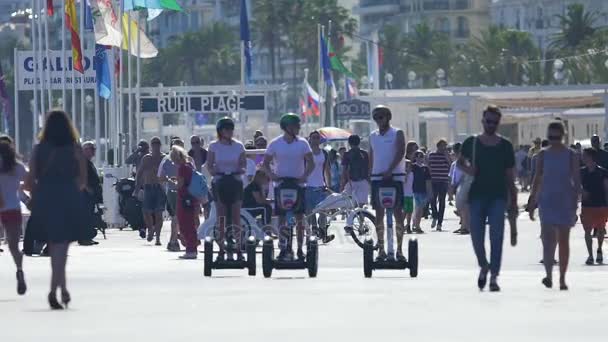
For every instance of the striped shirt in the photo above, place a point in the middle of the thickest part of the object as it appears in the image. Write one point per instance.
(439, 164)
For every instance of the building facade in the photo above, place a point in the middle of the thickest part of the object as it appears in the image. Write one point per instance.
(459, 19)
(540, 17)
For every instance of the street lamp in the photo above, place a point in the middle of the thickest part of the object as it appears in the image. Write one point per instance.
(389, 80)
(440, 74)
(411, 76)
(558, 72)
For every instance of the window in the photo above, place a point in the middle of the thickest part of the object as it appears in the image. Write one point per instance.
(517, 19)
(442, 25)
(463, 27)
(539, 19)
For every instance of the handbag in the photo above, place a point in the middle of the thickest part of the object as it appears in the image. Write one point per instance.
(464, 188)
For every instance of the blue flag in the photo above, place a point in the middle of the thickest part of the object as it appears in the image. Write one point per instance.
(88, 17)
(102, 70)
(246, 39)
(325, 63)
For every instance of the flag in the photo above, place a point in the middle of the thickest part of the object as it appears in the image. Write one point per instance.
(107, 30)
(71, 20)
(336, 62)
(102, 70)
(246, 39)
(153, 13)
(5, 103)
(313, 100)
(50, 11)
(350, 88)
(88, 18)
(326, 66)
(135, 5)
(304, 110)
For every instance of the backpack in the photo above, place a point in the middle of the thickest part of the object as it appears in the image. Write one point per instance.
(358, 167)
(198, 185)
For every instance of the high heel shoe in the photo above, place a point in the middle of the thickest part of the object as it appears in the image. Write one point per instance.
(65, 298)
(21, 286)
(53, 303)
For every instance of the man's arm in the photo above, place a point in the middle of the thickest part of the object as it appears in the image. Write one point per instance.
(266, 167)
(310, 166)
(140, 170)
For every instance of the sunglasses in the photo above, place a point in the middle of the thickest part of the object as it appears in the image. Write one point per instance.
(492, 122)
(379, 117)
(155, 143)
(195, 142)
(554, 138)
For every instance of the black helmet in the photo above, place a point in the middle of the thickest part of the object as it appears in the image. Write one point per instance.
(354, 140)
(224, 123)
(381, 109)
(289, 119)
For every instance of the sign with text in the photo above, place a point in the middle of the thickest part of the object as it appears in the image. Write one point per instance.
(55, 64)
(353, 109)
(206, 104)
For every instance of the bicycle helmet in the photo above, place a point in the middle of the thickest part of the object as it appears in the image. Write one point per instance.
(381, 109)
(289, 119)
(224, 123)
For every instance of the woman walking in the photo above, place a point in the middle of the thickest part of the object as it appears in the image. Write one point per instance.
(57, 179)
(12, 173)
(408, 190)
(187, 207)
(555, 191)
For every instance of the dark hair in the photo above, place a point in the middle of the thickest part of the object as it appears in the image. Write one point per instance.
(558, 126)
(544, 143)
(314, 132)
(492, 109)
(6, 138)
(354, 140)
(8, 156)
(409, 147)
(456, 147)
(58, 130)
(441, 141)
(591, 152)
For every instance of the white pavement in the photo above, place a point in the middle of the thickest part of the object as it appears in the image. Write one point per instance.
(128, 290)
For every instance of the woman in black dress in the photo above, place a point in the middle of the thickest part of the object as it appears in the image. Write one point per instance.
(57, 178)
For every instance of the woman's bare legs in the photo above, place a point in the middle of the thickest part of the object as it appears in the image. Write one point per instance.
(564, 255)
(13, 234)
(221, 224)
(235, 213)
(59, 258)
(549, 238)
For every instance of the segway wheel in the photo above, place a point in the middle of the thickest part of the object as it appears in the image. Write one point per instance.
(208, 258)
(368, 258)
(251, 264)
(412, 251)
(267, 257)
(312, 258)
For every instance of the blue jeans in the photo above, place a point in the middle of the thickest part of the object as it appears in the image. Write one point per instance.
(494, 211)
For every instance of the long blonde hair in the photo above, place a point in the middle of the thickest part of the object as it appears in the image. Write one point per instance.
(178, 154)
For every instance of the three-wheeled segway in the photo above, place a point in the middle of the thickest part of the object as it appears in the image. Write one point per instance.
(289, 202)
(387, 197)
(249, 262)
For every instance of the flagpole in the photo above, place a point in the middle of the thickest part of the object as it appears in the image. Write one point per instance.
(48, 56)
(330, 103)
(138, 94)
(241, 114)
(320, 79)
(39, 58)
(16, 110)
(73, 87)
(82, 77)
(305, 95)
(36, 78)
(119, 98)
(376, 60)
(97, 123)
(63, 58)
(129, 83)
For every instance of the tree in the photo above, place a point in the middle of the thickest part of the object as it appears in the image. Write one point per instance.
(209, 56)
(575, 27)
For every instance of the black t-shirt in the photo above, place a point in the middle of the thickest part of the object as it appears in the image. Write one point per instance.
(593, 184)
(248, 199)
(602, 158)
(422, 174)
(491, 163)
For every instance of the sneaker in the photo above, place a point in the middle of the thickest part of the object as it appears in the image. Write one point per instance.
(464, 232)
(457, 231)
(494, 286)
(329, 238)
(221, 256)
(289, 255)
(390, 257)
(600, 257)
(408, 229)
(381, 256)
(158, 243)
(438, 228)
(142, 233)
(281, 256)
(418, 231)
(589, 261)
(173, 247)
(300, 254)
(150, 236)
(434, 224)
(400, 257)
(190, 256)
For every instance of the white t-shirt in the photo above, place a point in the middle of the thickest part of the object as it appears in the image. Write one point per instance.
(227, 156)
(317, 177)
(9, 186)
(288, 158)
(455, 174)
(249, 171)
(408, 185)
(384, 147)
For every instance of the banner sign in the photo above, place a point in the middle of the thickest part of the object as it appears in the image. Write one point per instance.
(206, 104)
(353, 109)
(55, 64)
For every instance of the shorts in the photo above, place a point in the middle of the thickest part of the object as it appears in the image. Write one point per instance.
(376, 185)
(154, 198)
(408, 204)
(359, 190)
(313, 196)
(11, 218)
(171, 202)
(227, 189)
(594, 217)
(299, 207)
(421, 200)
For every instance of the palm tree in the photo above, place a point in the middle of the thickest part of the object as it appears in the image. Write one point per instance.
(576, 26)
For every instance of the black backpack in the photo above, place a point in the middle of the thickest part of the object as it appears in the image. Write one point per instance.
(358, 167)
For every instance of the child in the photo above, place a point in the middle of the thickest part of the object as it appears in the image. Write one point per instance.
(422, 188)
(408, 196)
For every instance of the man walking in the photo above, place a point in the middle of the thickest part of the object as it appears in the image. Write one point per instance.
(439, 165)
(93, 191)
(601, 155)
(149, 189)
(355, 171)
(197, 152)
(167, 171)
(135, 158)
(490, 159)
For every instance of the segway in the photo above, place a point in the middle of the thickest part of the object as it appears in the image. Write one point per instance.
(387, 195)
(288, 200)
(249, 262)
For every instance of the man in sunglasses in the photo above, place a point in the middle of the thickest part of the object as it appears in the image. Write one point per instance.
(386, 154)
(197, 152)
(489, 158)
(148, 189)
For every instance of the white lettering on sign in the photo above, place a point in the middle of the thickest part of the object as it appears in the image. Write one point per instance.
(223, 104)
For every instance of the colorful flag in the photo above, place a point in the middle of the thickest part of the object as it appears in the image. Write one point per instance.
(326, 66)
(153, 13)
(313, 100)
(350, 88)
(49, 8)
(246, 39)
(102, 70)
(147, 48)
(71, 20)
(135, 5)
(336, 62)
(88, 17)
